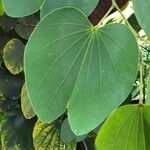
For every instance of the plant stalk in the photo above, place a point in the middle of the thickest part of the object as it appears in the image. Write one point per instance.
(114, 4)
(108, 12)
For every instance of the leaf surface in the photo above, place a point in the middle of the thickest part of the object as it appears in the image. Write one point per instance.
(128, 128)
(21, 8)
(13, 56)
(25, 104)
(47, 137)
(16, 131)
(87, 6)
(71, 64)
(141, 9)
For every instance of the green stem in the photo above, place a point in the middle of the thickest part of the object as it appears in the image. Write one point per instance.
(108, 12)
(141, 80)
(114, 4)
(141, 59)
(86, 148)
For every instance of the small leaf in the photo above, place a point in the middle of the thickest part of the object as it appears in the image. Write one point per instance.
(66, 133)
(21, 8)
(24, 31)
(87, 6)
(141, 9)
(71, 64)
(13, 56)
(16, 131)
(47, 137)
(27, 110)
(31, 20)
(127, 128)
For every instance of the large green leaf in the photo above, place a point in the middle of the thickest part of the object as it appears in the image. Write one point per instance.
(71, 64)
(87, 6)
(47, 137)
(142, 10)
(128, 128)
(21, 8)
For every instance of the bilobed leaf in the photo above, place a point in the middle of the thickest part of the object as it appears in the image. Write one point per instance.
(26, 107)
(87, 6)
(128, 128)
(71, 64)
(1, 8)
(47, 137)
(141, 9)
(13, 56)
(66, 133)
(21, 8)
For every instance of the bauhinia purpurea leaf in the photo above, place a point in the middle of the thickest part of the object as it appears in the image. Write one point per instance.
(69, 64)
(127, 128)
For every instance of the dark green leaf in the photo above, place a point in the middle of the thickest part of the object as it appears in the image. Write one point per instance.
(7, 23)
(21, 8)
(87, 6)
(13, 56)
(47, 137)
(128, 128)
(31, 20)
(10, 85)
(141, 9)
(24, 31)
(26, 107)
(71, 64)
(66, 133)
(16, 132)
